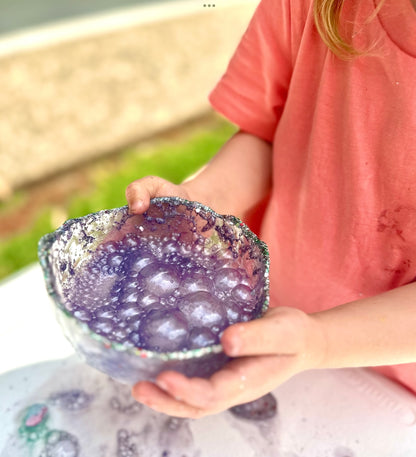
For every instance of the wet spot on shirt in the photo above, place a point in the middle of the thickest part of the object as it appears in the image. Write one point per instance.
(401, 269)
(389, 221)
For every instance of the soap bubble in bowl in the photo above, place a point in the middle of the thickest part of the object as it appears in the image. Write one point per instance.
(140, 294)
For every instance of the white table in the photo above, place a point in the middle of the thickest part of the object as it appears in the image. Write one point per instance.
(327, 413)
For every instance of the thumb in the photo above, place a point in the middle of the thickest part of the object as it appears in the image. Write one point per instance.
(282, 331)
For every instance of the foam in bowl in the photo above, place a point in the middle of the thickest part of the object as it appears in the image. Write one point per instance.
(139, 294)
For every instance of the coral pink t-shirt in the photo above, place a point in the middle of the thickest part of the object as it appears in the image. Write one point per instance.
(341, 219)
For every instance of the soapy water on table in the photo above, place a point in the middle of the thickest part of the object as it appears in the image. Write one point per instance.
(162, 293)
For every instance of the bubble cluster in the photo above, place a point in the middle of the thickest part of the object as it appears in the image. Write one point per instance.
(263, 408)
(163, 293)
(71, 400)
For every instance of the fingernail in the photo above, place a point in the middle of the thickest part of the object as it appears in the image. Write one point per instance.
(136, 206)
(233, 347)
(162, 385)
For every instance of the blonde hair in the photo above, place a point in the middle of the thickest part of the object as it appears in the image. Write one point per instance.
(327, 15)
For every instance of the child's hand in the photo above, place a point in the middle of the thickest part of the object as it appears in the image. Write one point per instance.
(139, 192)
(268, 351)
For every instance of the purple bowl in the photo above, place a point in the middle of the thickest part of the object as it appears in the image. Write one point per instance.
(69, 250)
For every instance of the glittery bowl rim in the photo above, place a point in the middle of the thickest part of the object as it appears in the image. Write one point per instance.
(47, 240)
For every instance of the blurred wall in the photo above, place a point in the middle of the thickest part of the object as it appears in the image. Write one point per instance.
(77, 90)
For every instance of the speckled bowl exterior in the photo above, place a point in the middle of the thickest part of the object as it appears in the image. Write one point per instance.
(72, 244)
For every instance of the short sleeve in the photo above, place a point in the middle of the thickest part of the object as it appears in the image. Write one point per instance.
(253, 90)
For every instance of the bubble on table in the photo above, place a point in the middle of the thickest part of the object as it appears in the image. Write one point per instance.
(263, 408)
(34, 422)
(71, 400)
(176, 437)
(126, 448)
(130, 408)
(59, 443)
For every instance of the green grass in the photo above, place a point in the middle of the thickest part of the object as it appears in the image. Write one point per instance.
(172, 160)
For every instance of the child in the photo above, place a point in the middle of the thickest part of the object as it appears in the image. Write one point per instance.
(328, 137)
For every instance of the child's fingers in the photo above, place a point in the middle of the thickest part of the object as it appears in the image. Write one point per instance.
(161, 401)
(139, 192)
(242, 380)
(282, 331)
(195, 392)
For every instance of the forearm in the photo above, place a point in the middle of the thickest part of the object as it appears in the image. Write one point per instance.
(238, 177)
(380, 330)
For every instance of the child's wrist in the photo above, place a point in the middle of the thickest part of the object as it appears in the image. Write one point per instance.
(197, 193)
(316, 344)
